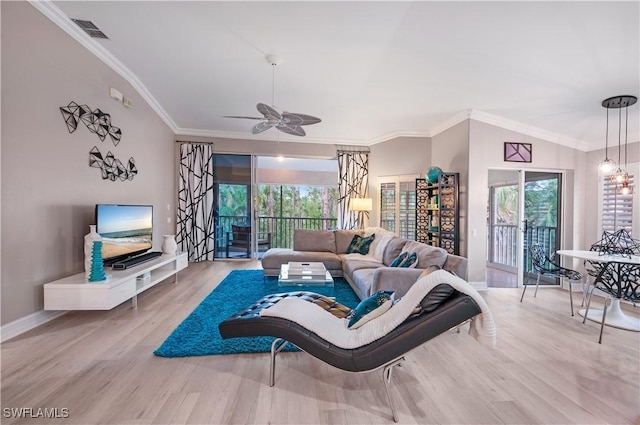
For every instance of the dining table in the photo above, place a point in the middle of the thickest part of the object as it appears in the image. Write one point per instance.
(616, 317)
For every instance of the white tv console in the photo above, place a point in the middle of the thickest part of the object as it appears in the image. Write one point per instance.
(76, 293)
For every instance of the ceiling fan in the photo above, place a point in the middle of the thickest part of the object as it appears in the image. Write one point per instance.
(287, 122)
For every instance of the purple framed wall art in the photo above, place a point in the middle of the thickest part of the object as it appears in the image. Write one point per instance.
(517, 152)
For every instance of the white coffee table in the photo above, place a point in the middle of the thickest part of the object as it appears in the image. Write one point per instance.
(304, 274)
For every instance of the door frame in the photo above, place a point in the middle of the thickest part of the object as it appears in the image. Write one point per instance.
(520, 238)
(521, 218)
(248, 217)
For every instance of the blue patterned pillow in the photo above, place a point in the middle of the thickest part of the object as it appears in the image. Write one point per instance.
(370, 308)
(399, 259)
(411, 261)
(360, 245)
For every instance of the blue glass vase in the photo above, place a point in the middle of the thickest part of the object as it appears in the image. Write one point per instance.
(433, 175)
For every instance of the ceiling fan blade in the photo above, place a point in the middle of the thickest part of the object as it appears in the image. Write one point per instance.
(261, 126)
(246, 118)
(268, 112)
(295, 130)
(300, 119)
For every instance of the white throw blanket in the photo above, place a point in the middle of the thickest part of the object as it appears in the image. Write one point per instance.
(334, 330)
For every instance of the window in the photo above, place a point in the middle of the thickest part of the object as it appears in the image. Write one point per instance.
(398, 204)
(295, 193)
(617, 209)
(388, 206)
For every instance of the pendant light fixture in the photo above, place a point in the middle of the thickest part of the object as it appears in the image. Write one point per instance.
(620, 177)
(607, 165)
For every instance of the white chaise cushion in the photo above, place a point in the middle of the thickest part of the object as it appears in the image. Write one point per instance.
(335, 331)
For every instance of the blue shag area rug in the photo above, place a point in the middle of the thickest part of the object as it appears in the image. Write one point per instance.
(198, 334)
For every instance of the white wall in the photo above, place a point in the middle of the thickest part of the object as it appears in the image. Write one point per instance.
(48, 189)
(486, 143)
(395, 157)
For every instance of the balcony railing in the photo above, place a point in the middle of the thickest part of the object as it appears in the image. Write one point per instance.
(503, 251)
(281, 228)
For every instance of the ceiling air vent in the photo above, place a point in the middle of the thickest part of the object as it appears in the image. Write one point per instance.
(90, 28)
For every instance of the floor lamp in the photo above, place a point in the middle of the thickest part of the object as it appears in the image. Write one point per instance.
(362, 206)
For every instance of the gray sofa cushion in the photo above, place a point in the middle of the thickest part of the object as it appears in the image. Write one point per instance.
(393, 249)
(314, 240)
(351, 265)
(456, 265)
(276, 257)
(427, 255)
(362, 279)
(393, 279)
(344, 238)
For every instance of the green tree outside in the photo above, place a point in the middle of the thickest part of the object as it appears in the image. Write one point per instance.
(540, 203)
(297, 201)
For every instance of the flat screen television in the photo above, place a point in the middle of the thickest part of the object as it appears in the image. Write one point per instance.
(126, 230)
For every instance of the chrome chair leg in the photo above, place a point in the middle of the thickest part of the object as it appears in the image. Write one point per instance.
(524, 288)
(607, 301)
(585, 291)
(571, 297)
(537, 283)
(586, 312)
(386, 378)
(277, 346)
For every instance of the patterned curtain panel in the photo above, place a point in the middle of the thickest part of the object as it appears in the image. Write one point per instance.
(195, 202)
(353, 168)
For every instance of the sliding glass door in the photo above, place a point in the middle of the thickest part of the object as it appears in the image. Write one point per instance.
(259, 201)
(524, 208)
(232, 205)
(541, 218)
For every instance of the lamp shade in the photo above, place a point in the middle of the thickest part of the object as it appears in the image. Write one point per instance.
(361, 204)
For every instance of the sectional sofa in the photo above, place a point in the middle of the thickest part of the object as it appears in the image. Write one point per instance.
(366, 273)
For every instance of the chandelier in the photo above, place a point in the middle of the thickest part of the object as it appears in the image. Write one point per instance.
(620, 177)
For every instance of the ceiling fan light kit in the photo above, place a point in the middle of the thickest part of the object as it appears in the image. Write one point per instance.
(286, 122)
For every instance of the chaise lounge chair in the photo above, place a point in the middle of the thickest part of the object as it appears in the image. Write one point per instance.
(316, 324)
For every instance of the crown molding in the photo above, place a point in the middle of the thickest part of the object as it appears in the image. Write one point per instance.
(283, 137)
(528, 130)
(507, 124)
(286, 138)
(51, 11)
(396, 134)
(267, 136)
(452, 121)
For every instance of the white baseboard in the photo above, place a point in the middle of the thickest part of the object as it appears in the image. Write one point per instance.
(24, 324)
(478, 285)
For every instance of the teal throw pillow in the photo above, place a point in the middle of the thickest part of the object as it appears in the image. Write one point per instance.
(370, 308)
(411, 261)
(360, 245)
(399, 259)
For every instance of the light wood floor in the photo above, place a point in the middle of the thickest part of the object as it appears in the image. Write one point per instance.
(497, 278)
(547, 368)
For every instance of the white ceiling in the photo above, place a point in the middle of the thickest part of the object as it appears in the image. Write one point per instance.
(374, 70)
